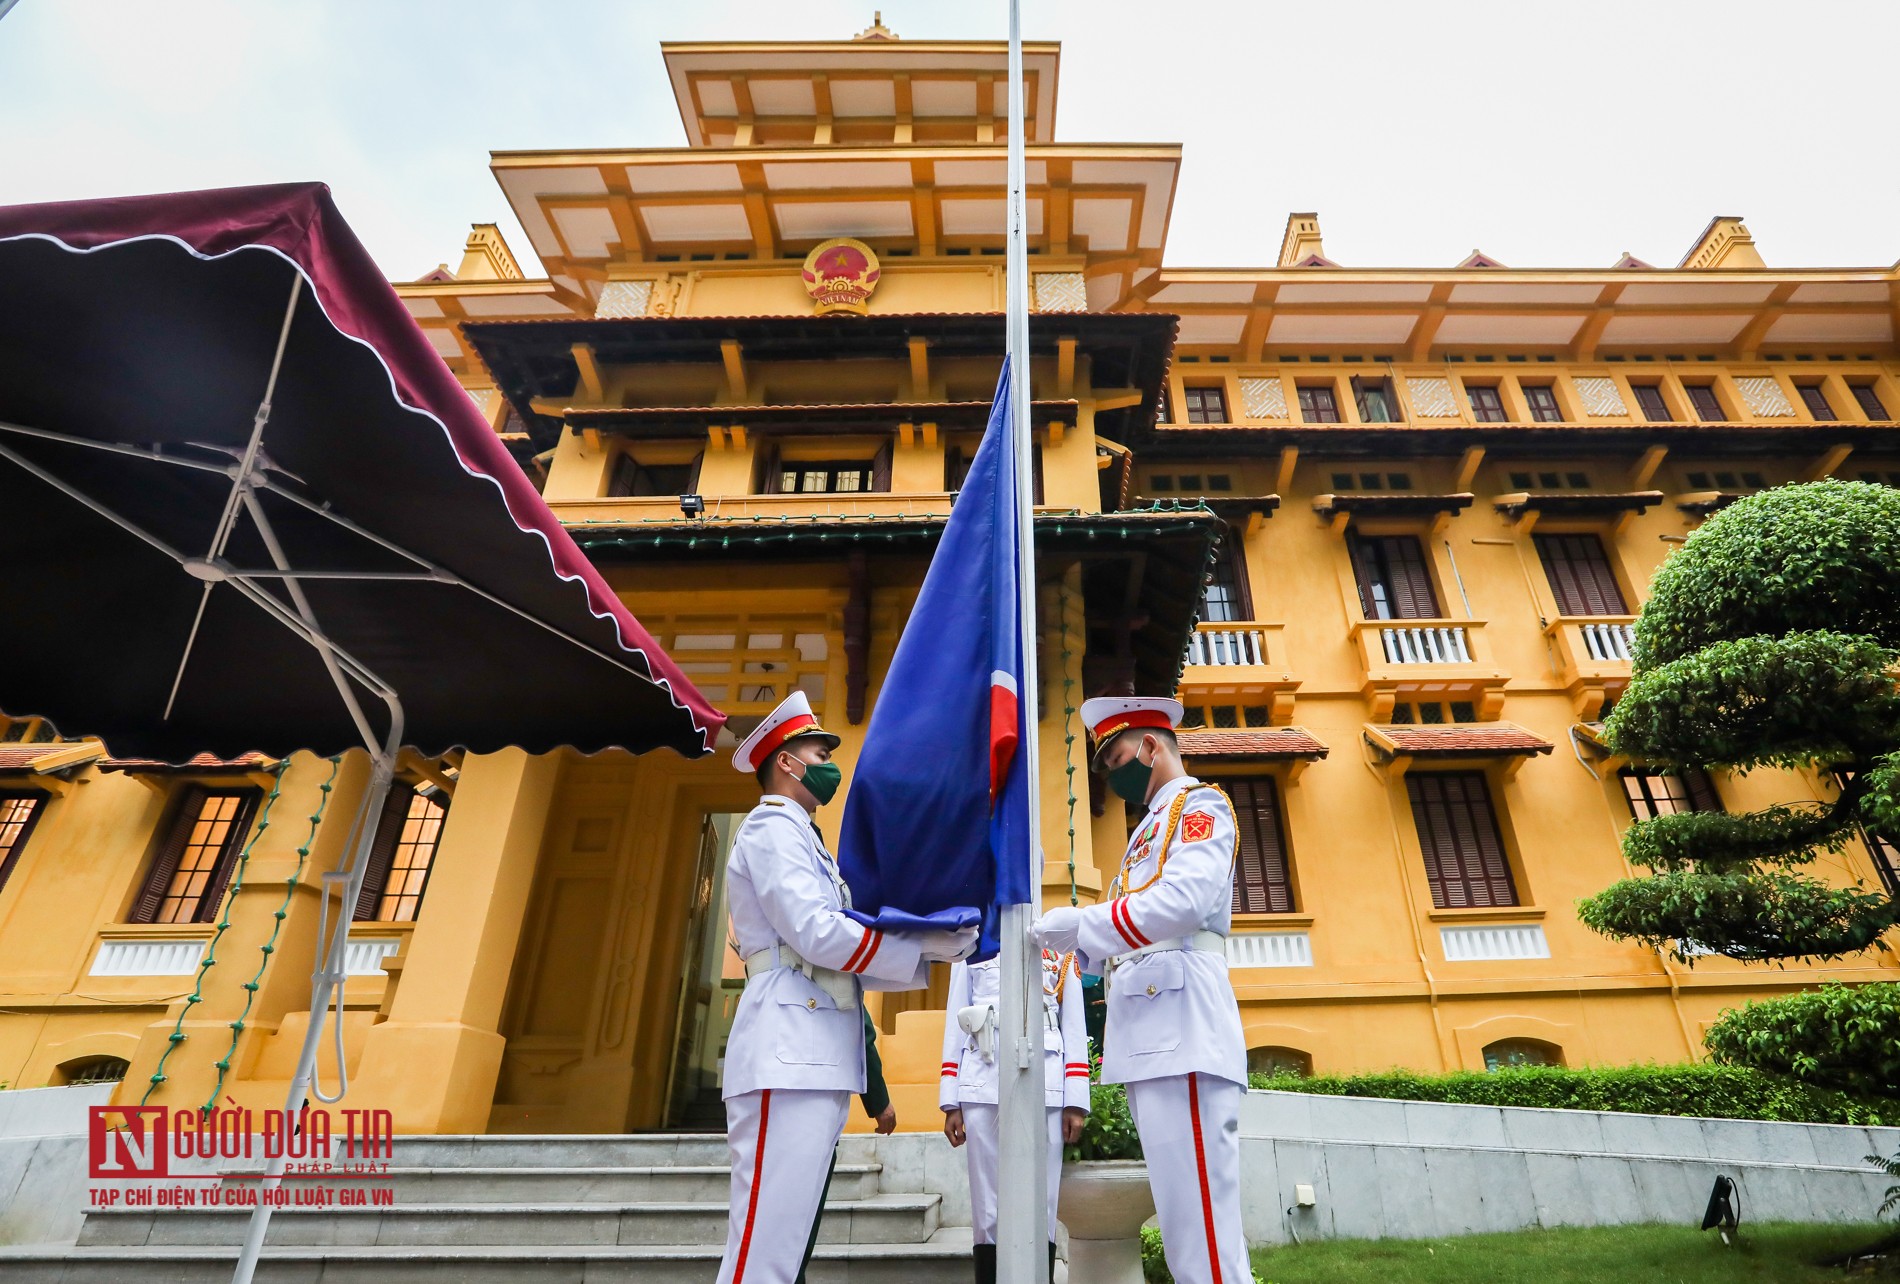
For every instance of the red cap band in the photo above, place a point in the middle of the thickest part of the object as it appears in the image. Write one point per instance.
(779, 735)
(1134, 718)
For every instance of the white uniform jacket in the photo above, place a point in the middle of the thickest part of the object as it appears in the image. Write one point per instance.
(966, 1076)
(784, 889)
(1171, 1012)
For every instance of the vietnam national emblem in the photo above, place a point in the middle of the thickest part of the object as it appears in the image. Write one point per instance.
(1197, 827)
(840, 275)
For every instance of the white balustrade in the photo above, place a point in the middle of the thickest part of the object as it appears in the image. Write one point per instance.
(1269, 949)
(165, 956)
(1495, 941)
(364, 957)
(1432, 644)
(1608, 641)
(1237, 645)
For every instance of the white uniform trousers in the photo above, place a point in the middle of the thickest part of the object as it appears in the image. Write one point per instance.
(1190, 1132)
(979, 1145)
(781, 1140)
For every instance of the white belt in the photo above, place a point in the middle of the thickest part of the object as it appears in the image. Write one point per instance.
(1208, 942)
(841, 986)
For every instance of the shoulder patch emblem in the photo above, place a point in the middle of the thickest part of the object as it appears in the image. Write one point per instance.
(1197, 826)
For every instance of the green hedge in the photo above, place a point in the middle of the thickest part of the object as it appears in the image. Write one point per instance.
(1709, 1091)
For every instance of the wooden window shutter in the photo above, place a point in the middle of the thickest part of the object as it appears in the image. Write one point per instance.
(1262, 881)
(1702, 795)
(382, 848)
(1409, 578)
(213, 899)
(171, 849)
(624, 478)
(1579, 572)
(881, 467)
(1236, 555)
(1465, 864)
(954, 468)
(768, 469)
(1035, 468)
(692, 476)
(1365, 572)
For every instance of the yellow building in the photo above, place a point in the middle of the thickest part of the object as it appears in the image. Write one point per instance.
(1384, 529)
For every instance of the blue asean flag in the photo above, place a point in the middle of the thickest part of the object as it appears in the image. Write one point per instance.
(936, 829)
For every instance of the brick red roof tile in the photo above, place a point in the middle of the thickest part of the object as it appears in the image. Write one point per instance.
(21, 757)
(1467, 738)
(1253, 742)
(202, 762)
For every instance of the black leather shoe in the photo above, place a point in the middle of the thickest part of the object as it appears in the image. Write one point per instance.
(985, 1257)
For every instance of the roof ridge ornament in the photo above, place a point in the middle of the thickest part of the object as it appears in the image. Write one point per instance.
(877, 30)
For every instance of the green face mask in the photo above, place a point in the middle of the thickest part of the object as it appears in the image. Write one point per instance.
(822, 779)
(1130, 780)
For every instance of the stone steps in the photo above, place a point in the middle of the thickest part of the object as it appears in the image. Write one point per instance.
(684, 1183)
(637, 1150)
(881, 1219)
(533, 1209)
(943, 1259)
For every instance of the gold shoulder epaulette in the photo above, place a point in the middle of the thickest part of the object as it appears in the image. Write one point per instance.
(770, 802)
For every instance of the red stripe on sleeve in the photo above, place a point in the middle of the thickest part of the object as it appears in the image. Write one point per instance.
(851, 964)
(876, 938)
(1125, 924)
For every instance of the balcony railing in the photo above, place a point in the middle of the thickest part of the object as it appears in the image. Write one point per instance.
(1593, 657)
(1608, 641)
(1240, 661)
(1430, 660)
(1227, 644)
(1425, 644)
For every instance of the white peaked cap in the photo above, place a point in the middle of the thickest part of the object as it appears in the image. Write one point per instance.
(792, 720)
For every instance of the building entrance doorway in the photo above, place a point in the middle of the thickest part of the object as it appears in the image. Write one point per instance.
(711, 977)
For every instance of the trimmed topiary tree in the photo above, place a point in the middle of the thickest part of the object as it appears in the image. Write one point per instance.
(1769, 640)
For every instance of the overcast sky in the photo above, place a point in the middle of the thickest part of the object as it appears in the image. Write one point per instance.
(1548, 135)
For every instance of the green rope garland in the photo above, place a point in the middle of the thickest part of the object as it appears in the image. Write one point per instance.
(1068, 727)
(210, 960)
(269, 946)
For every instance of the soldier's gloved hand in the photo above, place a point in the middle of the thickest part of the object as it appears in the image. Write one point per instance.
(1057, 930)
(947, 947)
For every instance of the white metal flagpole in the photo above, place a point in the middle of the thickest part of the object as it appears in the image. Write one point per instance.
(1022, 1228)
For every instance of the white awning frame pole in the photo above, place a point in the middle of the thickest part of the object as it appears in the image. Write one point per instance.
(1022, 1229)
(240, 485)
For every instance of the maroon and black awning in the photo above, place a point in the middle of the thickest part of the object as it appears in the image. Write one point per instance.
(142, 343)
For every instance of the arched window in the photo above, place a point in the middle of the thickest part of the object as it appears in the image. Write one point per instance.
(93, 1070)
(1506, 1053)
(1288, 1063)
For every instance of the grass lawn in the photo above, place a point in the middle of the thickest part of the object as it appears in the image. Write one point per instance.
(1768, 1253)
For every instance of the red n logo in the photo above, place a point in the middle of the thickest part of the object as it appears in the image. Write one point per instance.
(135, 1150)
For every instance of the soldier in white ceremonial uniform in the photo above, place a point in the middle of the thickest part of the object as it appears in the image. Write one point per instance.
(795, 1057)
(1173, 1032)
(967, 1090)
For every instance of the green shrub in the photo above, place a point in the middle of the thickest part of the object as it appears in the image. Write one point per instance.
(1707, 1091)
(1110, 1130)
(1838, 1036)
(1154, 1262)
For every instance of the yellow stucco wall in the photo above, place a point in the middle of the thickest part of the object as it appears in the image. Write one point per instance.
(539, 989)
